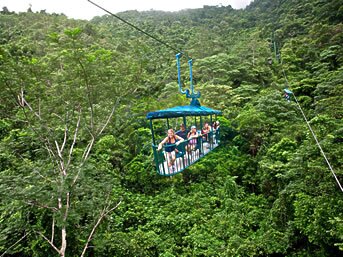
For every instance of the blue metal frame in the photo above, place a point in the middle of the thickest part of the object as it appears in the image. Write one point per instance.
(184, 156)
(187, 92)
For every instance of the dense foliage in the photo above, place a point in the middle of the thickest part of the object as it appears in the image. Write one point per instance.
(77, 177)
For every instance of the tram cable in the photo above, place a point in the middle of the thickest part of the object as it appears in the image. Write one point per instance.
(140, 30)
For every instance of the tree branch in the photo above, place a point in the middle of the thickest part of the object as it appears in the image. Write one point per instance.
(74, 139)
(65, 138)
(35, 203)
(87, 150)
(103, 213)
(84, 158)
(61, 159)
(67, 207)
(109, 117)
(25, 103)
(88, 93)
(50, 243)
(52, 230)
(45, 139)
(15, 244)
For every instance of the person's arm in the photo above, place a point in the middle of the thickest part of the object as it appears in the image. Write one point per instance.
(194, 136)
(161, 144)
(179, 138)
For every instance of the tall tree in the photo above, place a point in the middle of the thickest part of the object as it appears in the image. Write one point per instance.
(64, 113)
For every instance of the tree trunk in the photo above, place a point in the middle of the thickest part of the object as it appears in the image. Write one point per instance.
(64, 242)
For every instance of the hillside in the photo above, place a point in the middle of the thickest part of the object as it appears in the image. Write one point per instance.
(77, 172)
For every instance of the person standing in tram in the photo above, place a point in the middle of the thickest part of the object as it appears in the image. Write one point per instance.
(192, 136)
(182, 132)
(216, 127)
(205, 132)
(170, 142)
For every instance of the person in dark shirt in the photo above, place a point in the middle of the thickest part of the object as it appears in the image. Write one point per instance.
(182, 132)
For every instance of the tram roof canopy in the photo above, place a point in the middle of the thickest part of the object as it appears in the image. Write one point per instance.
(181, 111)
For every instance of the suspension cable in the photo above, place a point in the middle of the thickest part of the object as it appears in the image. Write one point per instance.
(140, 30)
(310, 128)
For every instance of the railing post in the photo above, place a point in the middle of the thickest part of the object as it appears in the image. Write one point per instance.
(152, 132)
(211, 133)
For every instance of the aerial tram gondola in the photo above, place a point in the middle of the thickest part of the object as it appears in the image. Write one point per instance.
(191, 115)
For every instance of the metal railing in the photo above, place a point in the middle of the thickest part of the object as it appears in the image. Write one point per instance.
(185, 154)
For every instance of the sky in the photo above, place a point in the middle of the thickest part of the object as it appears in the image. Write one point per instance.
(82, 9)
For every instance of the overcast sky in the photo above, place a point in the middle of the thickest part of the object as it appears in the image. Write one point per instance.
(82, 9)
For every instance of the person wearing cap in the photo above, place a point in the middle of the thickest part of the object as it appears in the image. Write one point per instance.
(182, 132)
(192, 137)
